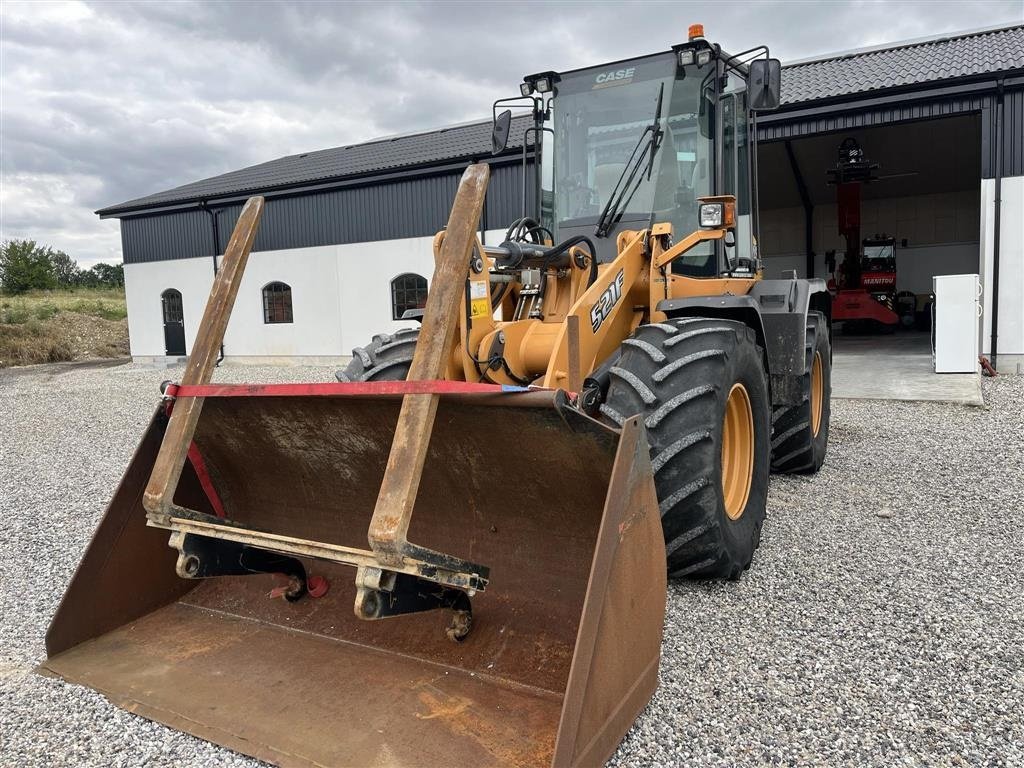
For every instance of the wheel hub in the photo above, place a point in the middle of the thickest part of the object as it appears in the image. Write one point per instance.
(737, 451)
(817, 394)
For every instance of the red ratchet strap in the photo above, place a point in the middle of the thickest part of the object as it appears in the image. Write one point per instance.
(338, 388)
(199, 465)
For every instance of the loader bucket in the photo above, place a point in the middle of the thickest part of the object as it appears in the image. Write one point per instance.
(564, 649)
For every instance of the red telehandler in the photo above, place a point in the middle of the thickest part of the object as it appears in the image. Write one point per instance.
(863, 286)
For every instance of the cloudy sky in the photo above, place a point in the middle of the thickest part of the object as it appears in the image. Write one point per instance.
(103, 102)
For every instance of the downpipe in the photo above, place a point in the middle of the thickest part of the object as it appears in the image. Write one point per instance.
(215, 233)
(996, 226)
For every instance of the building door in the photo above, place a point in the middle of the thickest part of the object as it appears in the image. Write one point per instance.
(174, 323)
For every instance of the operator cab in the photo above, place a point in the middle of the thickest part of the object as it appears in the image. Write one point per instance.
(641, 141)
(879, 254)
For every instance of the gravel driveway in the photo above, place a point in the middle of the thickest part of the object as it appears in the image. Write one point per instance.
(882, 622)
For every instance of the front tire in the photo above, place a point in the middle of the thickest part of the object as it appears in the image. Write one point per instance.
(386, 358)
(701, 387)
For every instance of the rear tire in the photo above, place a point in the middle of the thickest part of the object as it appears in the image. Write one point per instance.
(800, 432)
(679, 376)
(386, 358)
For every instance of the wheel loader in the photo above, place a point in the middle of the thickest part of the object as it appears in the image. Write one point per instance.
(457, 554)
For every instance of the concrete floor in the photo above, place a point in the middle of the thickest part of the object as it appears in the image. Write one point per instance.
(896, 367)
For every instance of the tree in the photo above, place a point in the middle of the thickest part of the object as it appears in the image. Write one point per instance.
(66, 271)
(108, 275)
(24, 266)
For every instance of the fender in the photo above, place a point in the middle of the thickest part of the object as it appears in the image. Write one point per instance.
(777, 312)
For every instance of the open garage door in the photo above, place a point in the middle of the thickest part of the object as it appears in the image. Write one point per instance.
(917, 215)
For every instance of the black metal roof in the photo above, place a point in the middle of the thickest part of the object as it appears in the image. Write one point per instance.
(915, 63)
(373, 157)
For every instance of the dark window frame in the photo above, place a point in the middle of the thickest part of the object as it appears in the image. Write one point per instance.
(277, 303)
(408, 291)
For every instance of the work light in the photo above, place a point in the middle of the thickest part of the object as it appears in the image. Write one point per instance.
(703, 58)
(711, 214)
(543, 84)
(718, 214)
(526, 88)
(686, 57)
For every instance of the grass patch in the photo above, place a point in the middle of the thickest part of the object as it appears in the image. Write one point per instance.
(31, 342)
(42, 305)
(51, 326)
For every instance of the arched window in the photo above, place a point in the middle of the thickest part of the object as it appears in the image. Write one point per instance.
(277, 303)
(408, 291)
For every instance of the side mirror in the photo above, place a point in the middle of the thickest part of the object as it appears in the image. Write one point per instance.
(499, 134)
(764, 84)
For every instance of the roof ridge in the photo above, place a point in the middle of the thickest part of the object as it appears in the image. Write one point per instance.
(916, 42)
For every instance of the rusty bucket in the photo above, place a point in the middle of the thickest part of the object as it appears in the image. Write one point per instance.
(564, 648)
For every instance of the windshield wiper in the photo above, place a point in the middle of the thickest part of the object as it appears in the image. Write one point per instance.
(646, 147)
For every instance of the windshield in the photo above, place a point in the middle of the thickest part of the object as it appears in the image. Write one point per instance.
(879, 251)
(599, 114)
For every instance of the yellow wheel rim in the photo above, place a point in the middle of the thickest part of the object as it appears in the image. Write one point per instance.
(737, 451)
(817, 394)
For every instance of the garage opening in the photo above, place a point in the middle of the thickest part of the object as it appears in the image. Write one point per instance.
(919, 208)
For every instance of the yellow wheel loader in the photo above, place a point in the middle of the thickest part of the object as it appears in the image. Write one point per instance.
(457, 554)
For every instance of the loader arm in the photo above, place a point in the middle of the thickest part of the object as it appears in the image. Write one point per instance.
(606, 312)
(618, 301)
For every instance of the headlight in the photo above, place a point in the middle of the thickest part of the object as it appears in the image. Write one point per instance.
(526, 89)
(712, 214)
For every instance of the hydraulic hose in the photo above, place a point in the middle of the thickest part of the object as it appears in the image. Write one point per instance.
(518, 252)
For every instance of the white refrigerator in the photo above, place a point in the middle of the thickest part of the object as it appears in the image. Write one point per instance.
(955, 327)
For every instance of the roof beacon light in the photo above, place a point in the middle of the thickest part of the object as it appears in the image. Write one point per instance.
(695, 31)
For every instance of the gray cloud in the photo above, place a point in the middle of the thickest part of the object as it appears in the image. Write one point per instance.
(104, 102)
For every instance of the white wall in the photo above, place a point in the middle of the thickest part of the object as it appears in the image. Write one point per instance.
(312, 274)
(1011, 271)
(365, 271)
(941, 230)
(341, 296)
(143, 285)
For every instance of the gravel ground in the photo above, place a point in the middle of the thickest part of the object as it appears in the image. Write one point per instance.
(881, 624)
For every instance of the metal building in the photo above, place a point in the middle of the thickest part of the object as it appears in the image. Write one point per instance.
(345, 240)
